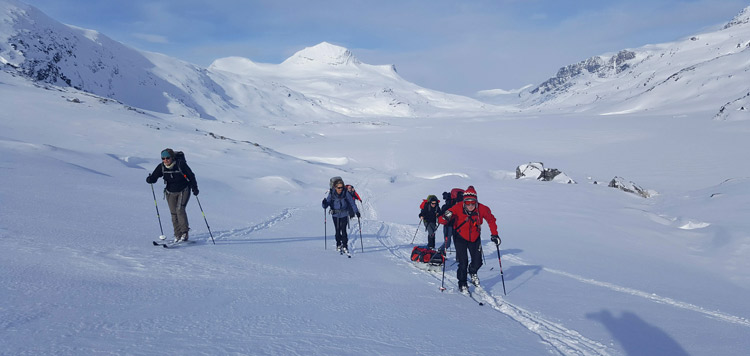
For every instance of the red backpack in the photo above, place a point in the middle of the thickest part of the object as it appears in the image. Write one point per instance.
(457, 194)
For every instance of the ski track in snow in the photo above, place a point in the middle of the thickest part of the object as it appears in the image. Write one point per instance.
(395, 237)
(638, 293)
(266, 224)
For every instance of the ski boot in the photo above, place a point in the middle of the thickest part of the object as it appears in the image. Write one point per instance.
(474, 279)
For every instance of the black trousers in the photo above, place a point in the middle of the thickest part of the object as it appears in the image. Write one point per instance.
(448, 234)
(464, 250)
(341, 225)
(431, 228)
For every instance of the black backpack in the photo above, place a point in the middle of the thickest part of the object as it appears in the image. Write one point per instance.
(331, 182)
(179, 158)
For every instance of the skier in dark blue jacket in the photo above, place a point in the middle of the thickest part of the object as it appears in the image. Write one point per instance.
(342, 208)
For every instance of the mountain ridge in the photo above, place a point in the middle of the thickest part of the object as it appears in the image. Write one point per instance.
(47, 51)
(701, 72)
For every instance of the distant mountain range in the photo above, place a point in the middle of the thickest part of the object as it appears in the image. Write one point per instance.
(320, 82)
(707, 72)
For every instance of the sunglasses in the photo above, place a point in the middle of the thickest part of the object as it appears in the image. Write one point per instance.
(338, 188)
(470, 203)
(165, 158)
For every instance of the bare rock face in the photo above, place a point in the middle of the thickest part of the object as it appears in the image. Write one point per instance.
(628, 186)
(537, 171)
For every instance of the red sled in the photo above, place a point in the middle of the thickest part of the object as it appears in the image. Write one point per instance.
(427, 255)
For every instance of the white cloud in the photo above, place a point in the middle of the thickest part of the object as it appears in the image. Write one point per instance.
(151, 38)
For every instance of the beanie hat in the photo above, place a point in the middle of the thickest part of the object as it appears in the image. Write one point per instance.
(167, 152)
(470, 194)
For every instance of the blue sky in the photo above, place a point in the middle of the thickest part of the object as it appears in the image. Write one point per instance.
(456, 46)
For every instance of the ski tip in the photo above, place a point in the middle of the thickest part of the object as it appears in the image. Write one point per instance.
(165, 246)
(155, 243)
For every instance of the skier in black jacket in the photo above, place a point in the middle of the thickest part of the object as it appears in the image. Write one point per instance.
(429, 215)
(179, 179)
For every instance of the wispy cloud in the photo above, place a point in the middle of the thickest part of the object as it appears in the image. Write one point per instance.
(151, 38)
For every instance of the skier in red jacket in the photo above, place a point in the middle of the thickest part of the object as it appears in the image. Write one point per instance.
(466, 219)
(353, 192)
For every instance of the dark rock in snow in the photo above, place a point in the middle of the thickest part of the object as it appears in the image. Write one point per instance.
(630, 187)
(537, 171)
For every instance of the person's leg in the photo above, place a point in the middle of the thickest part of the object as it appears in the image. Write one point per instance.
(182, 220)
(462, 257)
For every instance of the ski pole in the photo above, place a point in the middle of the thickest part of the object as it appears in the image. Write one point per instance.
(199, 205)
(481, 250)
(442, 283)
(501, 268)
(415, 232)
(325, 227)
(161, 237)
(362, 244)
(204, 219)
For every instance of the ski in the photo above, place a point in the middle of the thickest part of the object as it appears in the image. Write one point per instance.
(478, 295)
(473, 297)
(172, 244)
(343, 251)
(483, 297)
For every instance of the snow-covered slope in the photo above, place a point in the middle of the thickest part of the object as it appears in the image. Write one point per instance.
(588, 270)
(707, 71)
(338, 81)
(318, 82)
(50, 52)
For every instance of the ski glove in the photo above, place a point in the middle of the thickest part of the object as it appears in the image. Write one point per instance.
(448, 215)
(358, 215)
(325, 203)
(150, 180)
(495, 239)
(195, 191)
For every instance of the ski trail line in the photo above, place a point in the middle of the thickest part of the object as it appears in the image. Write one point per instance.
(651, 296)
(266, 224)
(561, 339)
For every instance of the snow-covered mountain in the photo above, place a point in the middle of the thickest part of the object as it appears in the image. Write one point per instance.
(47, 51)
(338, 81)
(707, 71)
(322, 81)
